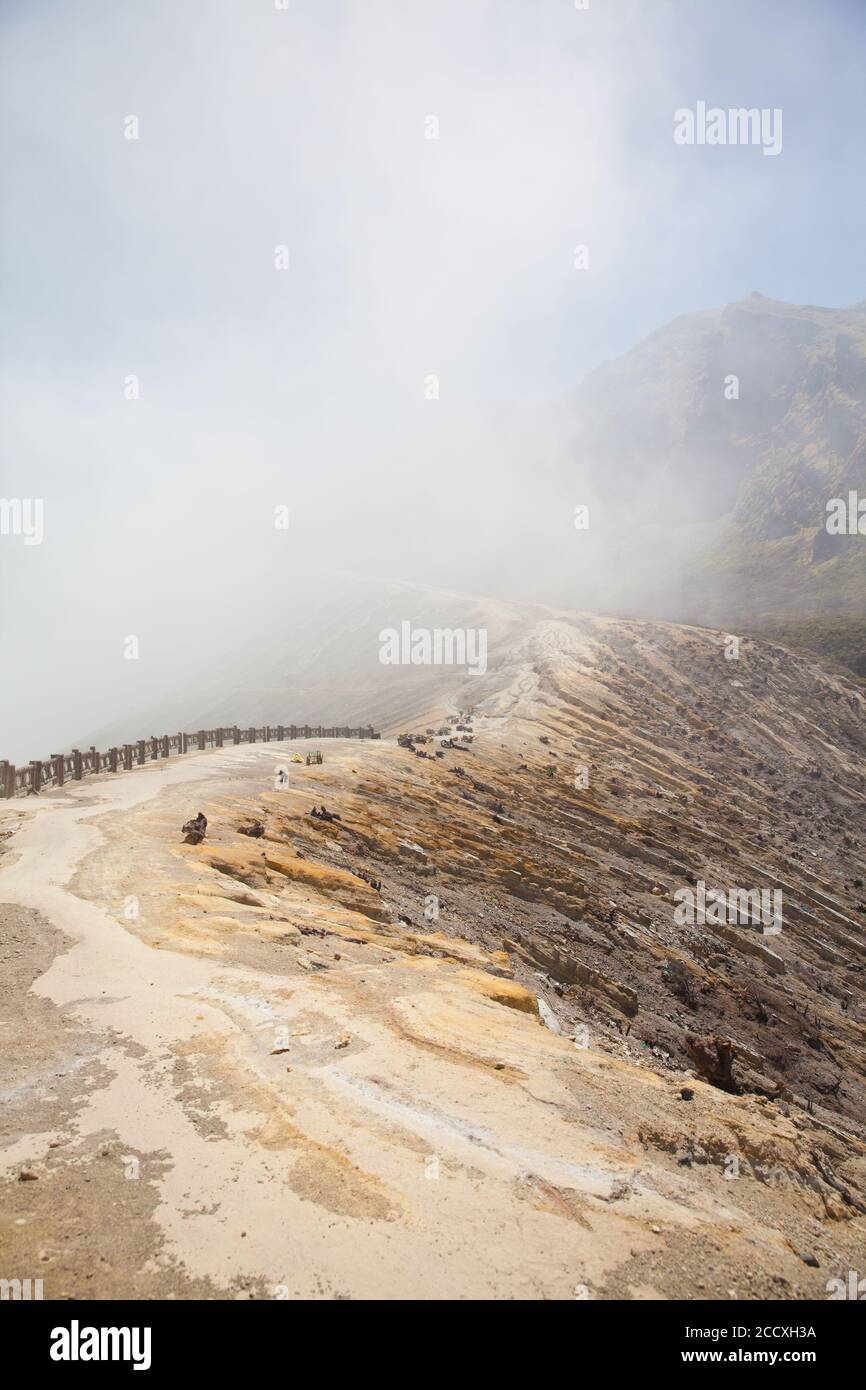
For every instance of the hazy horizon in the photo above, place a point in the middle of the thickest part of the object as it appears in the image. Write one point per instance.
(409, 257)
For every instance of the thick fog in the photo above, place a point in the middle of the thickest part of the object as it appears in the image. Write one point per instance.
(289, 289)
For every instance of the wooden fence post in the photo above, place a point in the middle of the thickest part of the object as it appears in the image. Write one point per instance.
(41, 773)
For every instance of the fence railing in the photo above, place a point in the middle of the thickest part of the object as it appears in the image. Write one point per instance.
(71, 767)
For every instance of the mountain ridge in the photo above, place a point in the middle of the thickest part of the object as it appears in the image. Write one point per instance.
(730, 429)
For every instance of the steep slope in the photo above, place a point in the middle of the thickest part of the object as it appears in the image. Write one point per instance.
(326, 1049)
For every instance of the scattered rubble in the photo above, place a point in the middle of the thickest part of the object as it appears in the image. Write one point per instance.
(195, 829)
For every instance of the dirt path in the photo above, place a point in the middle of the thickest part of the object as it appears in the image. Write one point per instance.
(226, 1105)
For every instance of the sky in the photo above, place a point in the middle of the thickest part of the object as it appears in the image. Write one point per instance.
(409, 258)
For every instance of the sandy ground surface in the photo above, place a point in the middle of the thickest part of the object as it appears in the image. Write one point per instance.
(233, 1071)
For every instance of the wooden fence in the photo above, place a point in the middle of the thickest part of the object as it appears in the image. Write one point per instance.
(71, 767)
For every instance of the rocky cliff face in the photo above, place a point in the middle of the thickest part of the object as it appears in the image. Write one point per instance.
(607, 769)
(728, 431)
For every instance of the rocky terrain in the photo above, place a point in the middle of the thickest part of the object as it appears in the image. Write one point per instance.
(727, 431)
(449, 1039)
